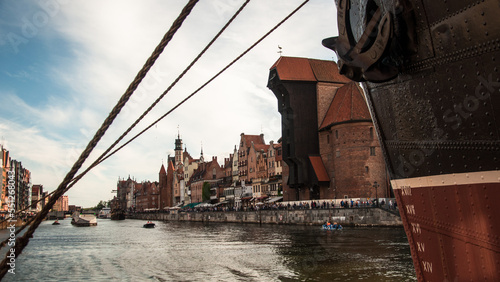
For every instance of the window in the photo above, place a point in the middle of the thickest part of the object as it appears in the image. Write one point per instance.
(367, 169)
(337, 134)
(371, 132)
(372, 151)
(337, 154)
(328, 138)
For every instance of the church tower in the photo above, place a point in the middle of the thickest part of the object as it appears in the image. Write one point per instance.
(178, 152)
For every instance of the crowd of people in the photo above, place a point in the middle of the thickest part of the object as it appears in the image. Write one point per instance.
(298, 205)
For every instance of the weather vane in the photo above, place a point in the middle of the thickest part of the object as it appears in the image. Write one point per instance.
(280, 50)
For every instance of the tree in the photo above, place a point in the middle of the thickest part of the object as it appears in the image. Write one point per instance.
(100, 205)
(205, 192)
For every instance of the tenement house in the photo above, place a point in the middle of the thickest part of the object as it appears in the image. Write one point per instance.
(328, 140)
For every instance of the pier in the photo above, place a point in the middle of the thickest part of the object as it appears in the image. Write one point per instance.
(346, 216)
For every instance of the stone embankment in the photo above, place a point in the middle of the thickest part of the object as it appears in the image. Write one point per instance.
(346, 217)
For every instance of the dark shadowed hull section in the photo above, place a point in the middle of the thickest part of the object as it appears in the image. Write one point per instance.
(431, 79)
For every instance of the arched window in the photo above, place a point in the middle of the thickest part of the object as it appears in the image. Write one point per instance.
(371, 132)
(337, 134)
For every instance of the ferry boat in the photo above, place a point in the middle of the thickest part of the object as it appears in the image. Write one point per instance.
(430, 71)
(83, 219)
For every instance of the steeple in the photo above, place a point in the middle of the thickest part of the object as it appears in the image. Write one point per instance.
(178, 150)
(178, 141)
(201, 155)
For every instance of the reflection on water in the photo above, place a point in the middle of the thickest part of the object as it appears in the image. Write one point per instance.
(124, 251)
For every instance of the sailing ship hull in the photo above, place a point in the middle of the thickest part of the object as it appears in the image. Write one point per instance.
(437, 115)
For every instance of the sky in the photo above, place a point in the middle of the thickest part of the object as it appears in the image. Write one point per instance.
(65, 64)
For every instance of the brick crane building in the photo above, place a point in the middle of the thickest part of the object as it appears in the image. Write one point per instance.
(317, 104)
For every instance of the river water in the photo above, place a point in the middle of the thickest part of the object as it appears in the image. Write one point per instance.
(190, 251)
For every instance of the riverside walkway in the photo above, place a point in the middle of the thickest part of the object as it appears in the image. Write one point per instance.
(361, 216)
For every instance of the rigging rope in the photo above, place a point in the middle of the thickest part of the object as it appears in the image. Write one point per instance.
(101, 158)
(22, 241)
(4, 242)
(70, 180)
(207, 82)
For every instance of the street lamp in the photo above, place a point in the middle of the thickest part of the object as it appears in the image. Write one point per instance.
(375, 184)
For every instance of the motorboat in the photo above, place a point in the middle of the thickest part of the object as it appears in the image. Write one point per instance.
(149, 225)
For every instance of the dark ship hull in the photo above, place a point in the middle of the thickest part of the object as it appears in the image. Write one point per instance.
(431, 78)
(117, 215)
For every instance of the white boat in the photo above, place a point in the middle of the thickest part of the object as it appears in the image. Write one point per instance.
(105, 213)
(83, 219)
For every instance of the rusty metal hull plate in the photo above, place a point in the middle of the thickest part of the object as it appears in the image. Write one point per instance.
(452, 225)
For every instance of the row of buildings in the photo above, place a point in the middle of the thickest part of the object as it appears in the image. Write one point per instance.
(328, 150)
(253, 171)
(26, 195)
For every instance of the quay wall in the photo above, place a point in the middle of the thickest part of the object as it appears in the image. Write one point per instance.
(346, 217)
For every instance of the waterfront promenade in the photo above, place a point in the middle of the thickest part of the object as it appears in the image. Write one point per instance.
(362, 216)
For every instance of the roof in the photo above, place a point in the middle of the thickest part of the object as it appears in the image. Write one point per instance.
(259, 147)
(319, 168)
(162, 170)
(304, 69)
(256, 139)
(347, 105)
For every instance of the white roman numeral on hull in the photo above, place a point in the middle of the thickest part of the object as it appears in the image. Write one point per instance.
(406, 191)
(421, 247)
(427, 266)
(416, 228)
(410, 209)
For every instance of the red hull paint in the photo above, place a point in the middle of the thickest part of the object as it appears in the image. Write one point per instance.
(453, 229)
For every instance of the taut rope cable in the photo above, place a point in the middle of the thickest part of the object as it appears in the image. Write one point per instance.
(100, 158)
(206, 83)
(4, 242)
(26, 208)
(21, 242)
(76, 179)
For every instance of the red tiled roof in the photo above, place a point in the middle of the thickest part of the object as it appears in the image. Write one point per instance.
(259, 147)
(348, 104)
(327, 71)
(256, 139)
(162, 170)
(170, 166)
(304, 69)
(291, 68)
(319, 168)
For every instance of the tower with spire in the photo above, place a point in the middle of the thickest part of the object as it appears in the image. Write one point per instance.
(201, 154)
(178, 152)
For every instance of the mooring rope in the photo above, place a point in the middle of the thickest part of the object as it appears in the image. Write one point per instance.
(22, 241)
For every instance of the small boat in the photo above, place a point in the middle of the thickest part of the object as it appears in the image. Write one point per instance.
(56, 222)
(83, 219)
(332, 227)
(149, 225)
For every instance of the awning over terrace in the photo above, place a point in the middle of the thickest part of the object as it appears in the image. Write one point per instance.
(274, 199)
